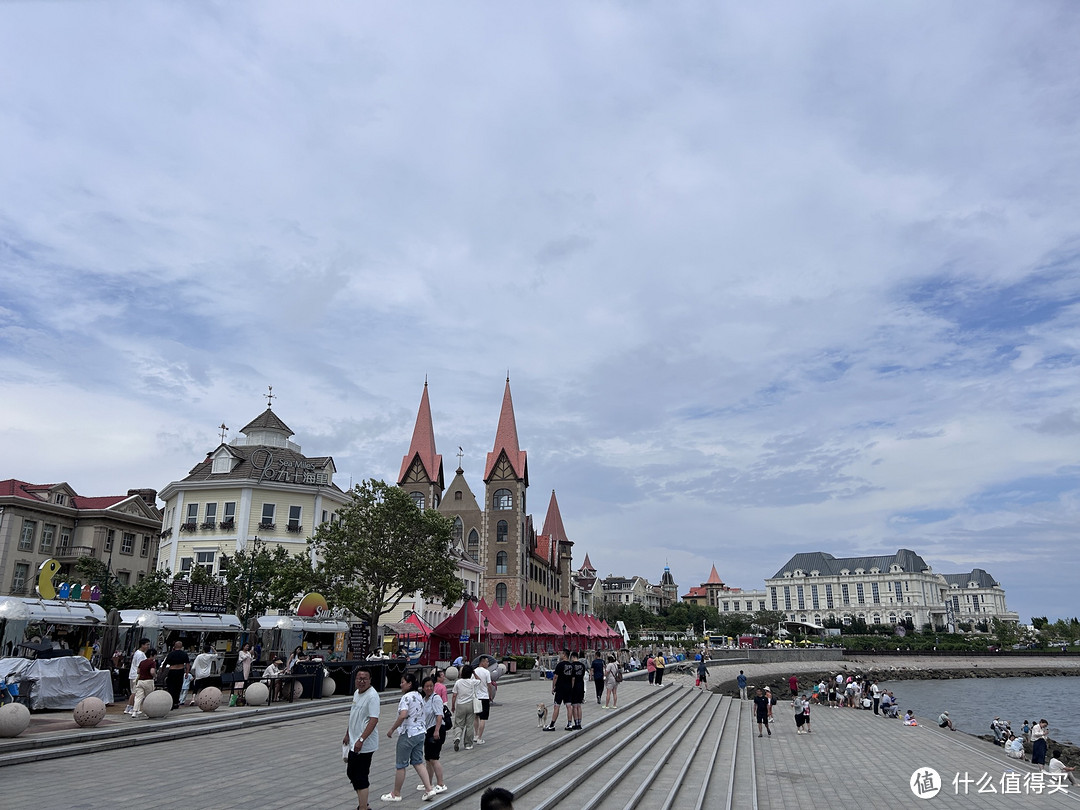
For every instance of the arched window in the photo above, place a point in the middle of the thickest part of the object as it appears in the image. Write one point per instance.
(474, 545)
(459, 531)
(500, 562)
(501, 528)
(500, 594)
(418, 499)
(502, 499)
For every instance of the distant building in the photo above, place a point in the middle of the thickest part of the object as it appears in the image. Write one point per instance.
(724, 598)
(52, 521)
(518, 565)
(258, 485)
(633, 590)
(816, 587)
(583, 588)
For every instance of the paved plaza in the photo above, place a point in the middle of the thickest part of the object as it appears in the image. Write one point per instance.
(852, 759)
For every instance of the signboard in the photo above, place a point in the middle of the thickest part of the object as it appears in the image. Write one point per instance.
(287, 470)
(202, 598)
(464, 637)
(358, 640)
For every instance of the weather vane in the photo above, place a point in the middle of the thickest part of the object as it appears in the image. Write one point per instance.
(269, 396)
(223, 430)
(460, 453)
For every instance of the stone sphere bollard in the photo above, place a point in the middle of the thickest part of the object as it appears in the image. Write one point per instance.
(498, 671)
(329, 686)
(257, 694)
(14, 720)
(157, 704)
(452, 674)
(209, 699)
(89, 712)
(297, 690)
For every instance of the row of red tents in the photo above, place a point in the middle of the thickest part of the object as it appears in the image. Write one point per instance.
(511, 631)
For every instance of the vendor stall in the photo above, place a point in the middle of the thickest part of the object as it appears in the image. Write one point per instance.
(69, 627)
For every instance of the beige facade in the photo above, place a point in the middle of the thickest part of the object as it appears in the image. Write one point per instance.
(258, 485)
(815, 587)
(51, 521)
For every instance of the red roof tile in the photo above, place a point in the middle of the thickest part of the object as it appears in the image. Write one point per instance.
(714, 578)
(553, 525)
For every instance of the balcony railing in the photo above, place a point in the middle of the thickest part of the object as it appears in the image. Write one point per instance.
(75, 552)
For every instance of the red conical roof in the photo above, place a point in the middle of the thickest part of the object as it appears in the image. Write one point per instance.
(506, 440)
(553, 525)
(423, 445)
(714, 578)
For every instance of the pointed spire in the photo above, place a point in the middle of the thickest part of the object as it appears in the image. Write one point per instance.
(506, 440)
(553, 525)
(714, 578)
(587, 566)
(423, 444)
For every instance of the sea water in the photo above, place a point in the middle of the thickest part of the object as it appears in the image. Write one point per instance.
(973, 702)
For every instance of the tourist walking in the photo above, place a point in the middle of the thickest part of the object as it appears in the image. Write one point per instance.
(361, 742)
(650, 667)
(144, 683)
(611, 683)
(578, 671)
(703, 674)
(1040, 732)
(133, 672)
(598, 676)
(741, 680)
(793, 684)
(462, 698)
(762, 710)
(409, 726)
(202, 670)
(660, 665)
(434, 736)
(486, 691)
(440, 688)
(560, 688)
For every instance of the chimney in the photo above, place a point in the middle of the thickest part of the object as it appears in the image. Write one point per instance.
(148, 495)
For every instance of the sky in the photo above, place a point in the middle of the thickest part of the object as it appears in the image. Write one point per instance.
(766, 278)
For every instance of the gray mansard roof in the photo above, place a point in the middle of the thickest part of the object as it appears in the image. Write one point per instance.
(827, 564)
(977, 575)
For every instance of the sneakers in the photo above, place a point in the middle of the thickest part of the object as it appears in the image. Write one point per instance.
(577, 726)
(478, 742)
(140, 716)
(468, 747)
(769, 730)
(390, 797)
(549, 728)
(431, 794)
(569, 728)
(457, 745)
(127, 709)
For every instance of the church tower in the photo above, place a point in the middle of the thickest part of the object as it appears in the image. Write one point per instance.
(562, 552)
(422, 468)
(508, 534)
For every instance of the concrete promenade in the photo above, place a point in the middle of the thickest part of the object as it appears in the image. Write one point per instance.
(852, 759)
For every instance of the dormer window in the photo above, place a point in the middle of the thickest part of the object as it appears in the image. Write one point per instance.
(875, 570)
(815, 573)
(798, 572)
(222, 464)
(787, 574)
(844, 572)
(860, 571)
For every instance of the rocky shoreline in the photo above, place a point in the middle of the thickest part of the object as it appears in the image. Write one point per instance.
(775, 676)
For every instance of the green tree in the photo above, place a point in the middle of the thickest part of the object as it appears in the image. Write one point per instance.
(382, 549)
(1006, 633)
(768, 620)
(735, 624)
(267, 579)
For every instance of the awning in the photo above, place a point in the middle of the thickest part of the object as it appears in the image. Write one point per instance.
(172, 620)
(302, 624)
(53, 611)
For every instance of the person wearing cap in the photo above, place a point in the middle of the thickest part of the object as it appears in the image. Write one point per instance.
(944, 722)
(272, 677)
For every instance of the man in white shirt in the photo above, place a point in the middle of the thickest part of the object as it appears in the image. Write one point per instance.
(133, 672)
(361, 741)
(484, 693)
(202, 668)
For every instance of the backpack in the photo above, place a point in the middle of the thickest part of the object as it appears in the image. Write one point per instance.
(618, 674)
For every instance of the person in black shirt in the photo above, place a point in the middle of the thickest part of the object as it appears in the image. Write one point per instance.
(561, 684)
(762, 707)
(598, 675)
(178, 665)
(578, 671)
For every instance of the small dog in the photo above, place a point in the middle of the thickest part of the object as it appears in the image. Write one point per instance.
(541, 715)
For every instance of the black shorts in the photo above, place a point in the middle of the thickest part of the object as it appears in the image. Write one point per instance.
(357, 770)
(578, 696)
(433, 747)
(763, 718)
(562, 697)
(800, 718)
(483, 713)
